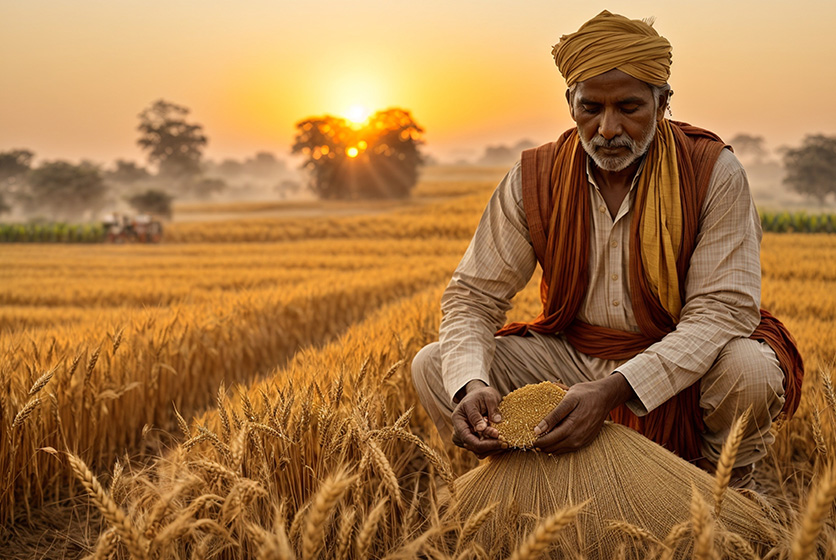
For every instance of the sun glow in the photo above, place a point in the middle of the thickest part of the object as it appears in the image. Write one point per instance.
(358, 114)
(352, 152)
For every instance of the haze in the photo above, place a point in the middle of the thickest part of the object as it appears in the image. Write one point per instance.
(75, 74)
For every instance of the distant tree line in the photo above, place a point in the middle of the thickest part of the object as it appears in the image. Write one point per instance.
(60, 190)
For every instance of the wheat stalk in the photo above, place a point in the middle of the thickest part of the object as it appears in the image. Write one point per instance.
(545, 533)
(725, 464)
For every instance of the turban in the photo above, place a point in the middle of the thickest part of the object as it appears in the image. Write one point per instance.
(610, 41)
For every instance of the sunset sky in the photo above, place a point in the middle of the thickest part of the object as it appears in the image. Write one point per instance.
(74, 74)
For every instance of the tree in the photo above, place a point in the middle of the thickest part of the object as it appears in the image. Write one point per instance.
(14, 165)
(174, 144)
(65, 191)
(378, 159)
(811, 168)
(127, 173)
(152, 202)
(747, 145)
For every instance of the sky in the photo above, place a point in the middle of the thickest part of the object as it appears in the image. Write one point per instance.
(75, 74)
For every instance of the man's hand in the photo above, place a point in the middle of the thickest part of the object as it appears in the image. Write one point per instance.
(471, 429)
(578, 419)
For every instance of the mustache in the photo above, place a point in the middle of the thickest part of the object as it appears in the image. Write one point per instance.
(599, 141)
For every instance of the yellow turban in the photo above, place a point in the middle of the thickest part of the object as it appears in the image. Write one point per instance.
(610, 41)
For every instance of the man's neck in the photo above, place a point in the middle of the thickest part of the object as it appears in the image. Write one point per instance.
(614, 185)
(616, 180)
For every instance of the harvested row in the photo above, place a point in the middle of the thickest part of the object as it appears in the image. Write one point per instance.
(111, 276)
(104, 382)
(449, 220)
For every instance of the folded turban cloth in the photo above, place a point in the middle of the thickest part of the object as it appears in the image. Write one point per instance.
(609, 41)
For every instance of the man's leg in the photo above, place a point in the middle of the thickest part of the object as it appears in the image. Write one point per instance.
(518, 361)
(746, 373)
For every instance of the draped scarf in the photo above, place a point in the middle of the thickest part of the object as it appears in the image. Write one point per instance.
(664, 228)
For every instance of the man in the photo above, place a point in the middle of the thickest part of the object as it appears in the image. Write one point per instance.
(649, 243)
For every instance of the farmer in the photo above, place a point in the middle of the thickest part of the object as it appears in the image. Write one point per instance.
(649, 242)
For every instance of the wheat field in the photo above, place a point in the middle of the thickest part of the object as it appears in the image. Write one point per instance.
(243, 391)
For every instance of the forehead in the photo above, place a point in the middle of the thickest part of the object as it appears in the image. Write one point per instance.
(612, 86)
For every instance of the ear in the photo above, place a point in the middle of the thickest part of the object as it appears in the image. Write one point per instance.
(571, 105)
(664, 99)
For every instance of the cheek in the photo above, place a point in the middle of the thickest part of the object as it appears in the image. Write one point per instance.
(587, 128)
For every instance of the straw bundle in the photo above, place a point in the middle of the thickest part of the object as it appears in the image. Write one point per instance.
(637, 492)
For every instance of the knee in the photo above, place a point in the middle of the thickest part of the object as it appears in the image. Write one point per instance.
(426, 365)
(748, 372)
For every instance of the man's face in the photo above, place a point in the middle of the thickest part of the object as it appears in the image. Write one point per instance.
(616, 116)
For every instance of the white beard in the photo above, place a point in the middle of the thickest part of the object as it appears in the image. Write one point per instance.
(637, 148)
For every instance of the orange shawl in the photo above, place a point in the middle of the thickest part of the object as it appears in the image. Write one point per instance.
(555, 188)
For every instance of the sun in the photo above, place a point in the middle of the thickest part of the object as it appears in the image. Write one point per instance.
(358, 114)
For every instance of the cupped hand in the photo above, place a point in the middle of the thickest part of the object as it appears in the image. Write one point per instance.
(471, 428)
(578, 419)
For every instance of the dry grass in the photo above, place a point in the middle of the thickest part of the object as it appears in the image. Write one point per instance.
(322, 451)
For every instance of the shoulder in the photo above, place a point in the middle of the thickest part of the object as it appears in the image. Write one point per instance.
(728, 170)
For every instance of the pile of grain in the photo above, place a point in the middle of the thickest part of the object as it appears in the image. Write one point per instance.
(523, 409)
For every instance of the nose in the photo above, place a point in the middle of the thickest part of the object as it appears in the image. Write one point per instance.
(610, 125)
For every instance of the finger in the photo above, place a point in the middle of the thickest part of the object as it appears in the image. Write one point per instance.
(559, 440)
(492, 405)
(482, 446)
(491, 432)
(461, 425)
(475, 416)
(553, 418)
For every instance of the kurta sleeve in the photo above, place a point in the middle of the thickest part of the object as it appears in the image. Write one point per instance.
(497, 264)
(722, 292)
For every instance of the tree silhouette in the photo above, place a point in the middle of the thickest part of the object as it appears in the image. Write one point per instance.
(378, 159)
(811, 168)
(749, 146)
(172, 143)
(152, 202)
(65, 191)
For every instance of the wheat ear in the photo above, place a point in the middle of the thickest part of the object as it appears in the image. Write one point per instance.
(369, 529)
(634, 532)
(725, 465)
(703, 527)
(545, 533)
(818, 508)
(474, 523)
(344, 535)
(108, 508)
(326, 498)
(384, 469)
(676, 534)
(41, 382)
